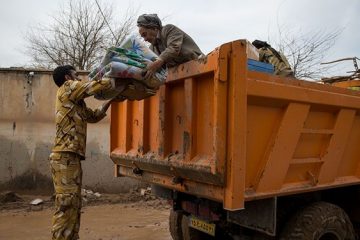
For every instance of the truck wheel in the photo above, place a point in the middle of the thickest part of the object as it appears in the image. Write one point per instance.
(190, 233)
(319, 221)
(175, 224)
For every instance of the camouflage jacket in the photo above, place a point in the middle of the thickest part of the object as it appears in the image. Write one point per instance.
(282, 66)
(72, 114)
(174, 46)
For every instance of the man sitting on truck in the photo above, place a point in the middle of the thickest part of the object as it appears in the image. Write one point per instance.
(268, 54)
(170, 43)
(72, 116)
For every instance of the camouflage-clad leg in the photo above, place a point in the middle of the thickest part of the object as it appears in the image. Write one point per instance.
(278, 60)
(67, 175)
(286, 72)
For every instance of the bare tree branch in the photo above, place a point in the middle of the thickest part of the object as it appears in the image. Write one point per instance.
(306, 51)
(77, 35)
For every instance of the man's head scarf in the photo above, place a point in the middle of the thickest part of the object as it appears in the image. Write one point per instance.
(149, 21)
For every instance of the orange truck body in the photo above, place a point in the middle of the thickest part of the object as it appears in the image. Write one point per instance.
(219, 131)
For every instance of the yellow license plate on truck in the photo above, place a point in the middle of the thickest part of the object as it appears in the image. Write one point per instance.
(203, 226)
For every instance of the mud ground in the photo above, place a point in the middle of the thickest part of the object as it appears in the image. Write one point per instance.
(109, 217)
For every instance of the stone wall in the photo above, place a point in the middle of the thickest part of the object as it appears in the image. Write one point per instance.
(27, 100)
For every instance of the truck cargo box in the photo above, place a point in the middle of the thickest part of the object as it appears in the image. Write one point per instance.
(224, 130)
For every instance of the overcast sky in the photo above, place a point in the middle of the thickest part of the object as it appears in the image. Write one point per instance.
(210, 22)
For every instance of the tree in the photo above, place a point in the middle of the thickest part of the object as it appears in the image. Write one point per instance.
(306, 51)
(78, 35)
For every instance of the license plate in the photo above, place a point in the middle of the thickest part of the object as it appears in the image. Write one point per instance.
(203, 226)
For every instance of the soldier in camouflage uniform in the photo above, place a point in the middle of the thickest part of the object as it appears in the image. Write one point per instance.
(72, 116)
(268, 54)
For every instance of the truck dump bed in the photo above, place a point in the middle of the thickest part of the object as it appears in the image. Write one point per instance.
(221, 131)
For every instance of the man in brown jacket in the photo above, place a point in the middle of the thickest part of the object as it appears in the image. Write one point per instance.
(170, 43)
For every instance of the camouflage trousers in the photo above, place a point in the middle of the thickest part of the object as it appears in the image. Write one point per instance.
(287, 72)
(67, 176)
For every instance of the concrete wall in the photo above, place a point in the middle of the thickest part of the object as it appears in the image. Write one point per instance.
(27, 106)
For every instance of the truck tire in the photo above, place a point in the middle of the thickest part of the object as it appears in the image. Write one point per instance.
(190, 233)
(319, 221)
(175, 224)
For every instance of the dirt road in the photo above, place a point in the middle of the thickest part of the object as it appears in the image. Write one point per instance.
(104, 221)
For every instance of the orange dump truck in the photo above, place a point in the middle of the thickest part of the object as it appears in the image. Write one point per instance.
(244, 154)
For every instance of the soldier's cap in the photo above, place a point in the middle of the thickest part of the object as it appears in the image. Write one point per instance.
(260, 44)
